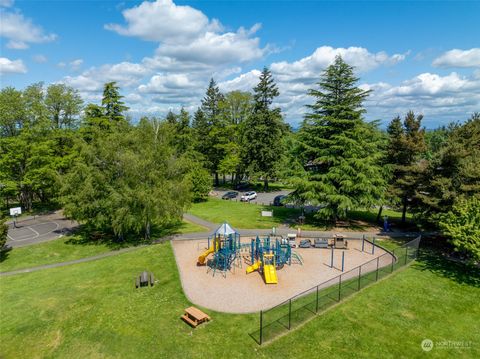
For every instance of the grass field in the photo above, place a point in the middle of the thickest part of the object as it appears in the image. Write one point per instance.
(66, 249)
(248, 215)
(241, 214)
(92, 310)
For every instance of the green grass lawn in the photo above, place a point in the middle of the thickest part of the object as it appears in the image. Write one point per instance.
(248, 215)
(92, 310)
(241, 214)
(66, 249)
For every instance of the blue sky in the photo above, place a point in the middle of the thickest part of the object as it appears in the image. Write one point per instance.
(422, 56)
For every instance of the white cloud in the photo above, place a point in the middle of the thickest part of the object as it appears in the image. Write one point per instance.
(21, 31)
(163, 21)
(76, 64)
(127, 74)
(451, 96)
(309, 68)
(213, 48)
(39, 59)
(459, 58)
(186, 35)
(243, 82)
(8, 66)
(6, 3)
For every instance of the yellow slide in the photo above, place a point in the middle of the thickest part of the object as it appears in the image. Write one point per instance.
(270, 274)
(201, 259)
(254, 267)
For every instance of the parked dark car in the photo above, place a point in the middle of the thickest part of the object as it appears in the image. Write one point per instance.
(277, 201)
(230, 195)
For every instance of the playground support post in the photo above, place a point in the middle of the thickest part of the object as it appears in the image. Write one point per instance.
(331, 259)
(373, 246)
(363, 243)
(343, 259)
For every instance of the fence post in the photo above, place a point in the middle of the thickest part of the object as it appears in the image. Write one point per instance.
(261, 327)
(376, 274)
(359, 276)
(343, 259)
(331, 259)
(406, 254)
(316, 307)
(289, 313)
(363, 243)
(373, 245)
(393, 260)
(339, 286)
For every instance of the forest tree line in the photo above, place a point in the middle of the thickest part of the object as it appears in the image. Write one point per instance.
(113, 174)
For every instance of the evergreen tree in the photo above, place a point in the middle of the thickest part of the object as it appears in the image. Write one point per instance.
(263, 131)
(209, 128)
(171, 118)
(454, 171)
(340, 151)
(111, 101)
(405, 147)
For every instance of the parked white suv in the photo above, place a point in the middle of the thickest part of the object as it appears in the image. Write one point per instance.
(248, 196)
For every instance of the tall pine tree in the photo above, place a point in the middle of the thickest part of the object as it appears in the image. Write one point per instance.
(405, 148)
(340, 151)
(111, 101)
(208, 125)
(263, 131)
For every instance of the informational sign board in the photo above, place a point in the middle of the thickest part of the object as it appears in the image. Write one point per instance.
(267, 213)
(16, 211)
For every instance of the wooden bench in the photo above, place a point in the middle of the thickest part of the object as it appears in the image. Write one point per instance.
(194, 316)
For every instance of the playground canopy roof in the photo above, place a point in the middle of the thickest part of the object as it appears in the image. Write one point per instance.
(225, 230)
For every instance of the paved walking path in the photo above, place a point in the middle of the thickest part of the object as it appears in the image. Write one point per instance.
(202, 235)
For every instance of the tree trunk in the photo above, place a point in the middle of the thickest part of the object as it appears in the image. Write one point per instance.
(379, 213)
(147, 230)
(216, 179)
(26, 199)
(233, 178)
(224, 179)
(265, 184)
(404, 210)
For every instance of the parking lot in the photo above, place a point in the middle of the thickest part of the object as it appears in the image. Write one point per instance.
(265, 198)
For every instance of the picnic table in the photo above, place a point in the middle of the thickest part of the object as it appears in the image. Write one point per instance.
(195, 316)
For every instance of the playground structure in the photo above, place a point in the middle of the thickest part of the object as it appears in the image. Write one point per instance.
(267, 257)
(225, 246)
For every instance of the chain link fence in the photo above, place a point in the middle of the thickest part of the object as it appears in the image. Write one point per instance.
(297, 310)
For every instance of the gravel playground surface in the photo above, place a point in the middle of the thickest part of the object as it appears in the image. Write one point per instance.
(242, 293)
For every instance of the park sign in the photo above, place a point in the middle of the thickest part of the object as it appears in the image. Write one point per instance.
(15, 211)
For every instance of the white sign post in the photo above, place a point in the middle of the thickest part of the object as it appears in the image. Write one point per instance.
(14, 212)
(267, 213)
